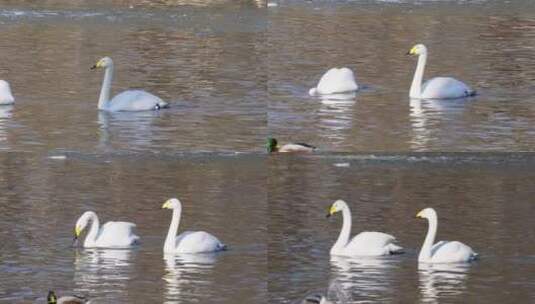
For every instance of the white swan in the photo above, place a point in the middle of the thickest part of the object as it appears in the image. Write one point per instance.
(6, 98)
(111, 235)
(363, 244)
(130, 100)
(335, 81)
(189, 241)
(438, 87)
(443, 251)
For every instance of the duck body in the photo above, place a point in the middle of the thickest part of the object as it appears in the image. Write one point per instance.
(272, 146)
(335, 80)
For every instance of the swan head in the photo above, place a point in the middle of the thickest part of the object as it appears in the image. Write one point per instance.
(427, 213)
(337, 206)
(103, 63)
(272, 145)
(172, 203)
(81, 223)
(418, 49)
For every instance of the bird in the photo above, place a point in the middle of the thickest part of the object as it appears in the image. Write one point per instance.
(129, 100)
(6, 98)
(334, 81)
(363, 244)
(110, 235)
(188, 241)
(438, 87)
(443, 251)
(53, 299)
(272, 146)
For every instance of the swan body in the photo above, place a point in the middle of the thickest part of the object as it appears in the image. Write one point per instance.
(273, 146)
(130, 100)
(438, 87)
(363, 244)
(443, 251)
(53, 299)
(6, 98)
(335, 81)
(189, 241)
(110, 235)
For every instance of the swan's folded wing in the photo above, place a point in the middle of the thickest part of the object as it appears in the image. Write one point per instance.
(197, 241)
(337, 81)
(451, 252)
(445, 88)
(371, 242)
(117, 234)
(135, 100)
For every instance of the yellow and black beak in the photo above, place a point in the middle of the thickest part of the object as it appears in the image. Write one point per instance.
(331, 211)
(420, 214)
(412, 51)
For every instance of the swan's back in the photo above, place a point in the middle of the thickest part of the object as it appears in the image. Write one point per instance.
(196, 242)
(5, 93)
(117, 234)
(372, 243)
(135, 100)
(445, 88)
(336, 81)
(452, 252)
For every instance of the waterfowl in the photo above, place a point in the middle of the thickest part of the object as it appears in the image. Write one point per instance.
(129, 100)
(335, 81)
(110, 235)
(272, 146)
(53, 299)
(438, 87)
(6, 98)
(363, 244)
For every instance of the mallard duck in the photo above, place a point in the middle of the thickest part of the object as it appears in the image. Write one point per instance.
(53, 299)
(272, 146)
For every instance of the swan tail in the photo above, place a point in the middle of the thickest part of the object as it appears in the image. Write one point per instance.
(474, 256)
(313, 92)
(395, 249)
(222, 247)
(471, 93)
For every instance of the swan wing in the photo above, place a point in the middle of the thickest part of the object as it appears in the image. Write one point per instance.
(371, 243)
(197, 242)
(337, 81)
(117, 234)
(445, 88)
(452, 252)
(135, 100)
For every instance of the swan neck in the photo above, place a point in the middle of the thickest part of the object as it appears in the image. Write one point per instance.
(92, 235)
(106, 88)
(343, 238)
(416, 86)
(425, 252)
(170, 241)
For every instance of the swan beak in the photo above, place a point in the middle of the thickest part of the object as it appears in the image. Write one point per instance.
(77, 232)
(332, 210)
(420, 214)
(165, 205)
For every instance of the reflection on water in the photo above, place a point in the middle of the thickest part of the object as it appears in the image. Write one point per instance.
(182, 273)
(366, 277)
(102, 270)
(336, 116)
(438, 281)
(334, 295)
(5, 119)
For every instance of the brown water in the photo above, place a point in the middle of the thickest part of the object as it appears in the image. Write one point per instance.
(485, 201)
(487, 44)
(42, 199)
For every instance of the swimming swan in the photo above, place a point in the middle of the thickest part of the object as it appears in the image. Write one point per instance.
(273, 146)
(443, 251)
(111, 235)
(130, 100)
(6, 98)
(53, 299)
(363, 244)
(438, 87)
(335, 81)
(189, 241)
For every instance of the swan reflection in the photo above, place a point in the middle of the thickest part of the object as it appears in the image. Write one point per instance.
(6, 112)
(366, 276)
(336, 116)
(334, 295)
(182, 275)
(441, 280)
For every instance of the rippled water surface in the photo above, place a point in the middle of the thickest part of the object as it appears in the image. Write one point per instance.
(42, 198)
(487, 44)
(485, 201)
(208, 62)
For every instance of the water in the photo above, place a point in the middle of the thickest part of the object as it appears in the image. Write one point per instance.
(487, 44)
(42, 199)
(485, 201)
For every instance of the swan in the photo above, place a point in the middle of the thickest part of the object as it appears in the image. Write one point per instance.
(363, 244)
(53, 299)
(6, 98)
(443, 251)
(273, 146)
(189, 241)
(335, 81)
(438, 87)
(111, 235)
(130, 100)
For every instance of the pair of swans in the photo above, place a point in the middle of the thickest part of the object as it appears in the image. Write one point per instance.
(121, 235)
(380, 244)
(338, 81)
